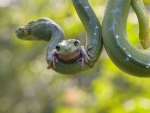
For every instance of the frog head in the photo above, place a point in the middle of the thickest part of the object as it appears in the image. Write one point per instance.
(68, 49)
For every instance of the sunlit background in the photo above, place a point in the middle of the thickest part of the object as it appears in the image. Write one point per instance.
(26, 86)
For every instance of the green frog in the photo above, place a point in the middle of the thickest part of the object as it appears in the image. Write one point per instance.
(68, 50)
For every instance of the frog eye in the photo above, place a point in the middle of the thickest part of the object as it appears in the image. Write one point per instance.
(76, 43)
(57, 47)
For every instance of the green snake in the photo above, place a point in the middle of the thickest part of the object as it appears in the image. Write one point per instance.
(47, 30)
(121, 52)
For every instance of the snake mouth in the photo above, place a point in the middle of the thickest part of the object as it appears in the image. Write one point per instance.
(73, 56)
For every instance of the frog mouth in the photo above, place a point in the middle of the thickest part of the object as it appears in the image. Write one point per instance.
(72, 56)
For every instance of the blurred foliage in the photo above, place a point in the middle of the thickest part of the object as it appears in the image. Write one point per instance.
(26, 86)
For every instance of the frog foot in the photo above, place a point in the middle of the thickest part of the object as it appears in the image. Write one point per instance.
(86, 57)
(52, 59)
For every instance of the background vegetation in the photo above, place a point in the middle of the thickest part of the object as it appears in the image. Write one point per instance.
(26, 86)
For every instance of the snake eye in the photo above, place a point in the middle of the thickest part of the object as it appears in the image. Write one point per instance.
(76, 43)
(57, 47)
(26, 32)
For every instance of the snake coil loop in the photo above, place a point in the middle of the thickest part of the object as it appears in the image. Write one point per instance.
(121, 52)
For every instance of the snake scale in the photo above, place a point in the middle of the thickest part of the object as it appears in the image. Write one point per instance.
(112, 34)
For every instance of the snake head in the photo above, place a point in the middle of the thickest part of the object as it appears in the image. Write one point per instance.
(36, 30)
(23, 32)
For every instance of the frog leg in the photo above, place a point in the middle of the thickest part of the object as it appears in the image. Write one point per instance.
(89, 54)
(86, 57)
(52, 59)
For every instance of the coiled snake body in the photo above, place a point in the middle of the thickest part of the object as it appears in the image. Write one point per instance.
(47, 30)
(126, 57)
(121, 52)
